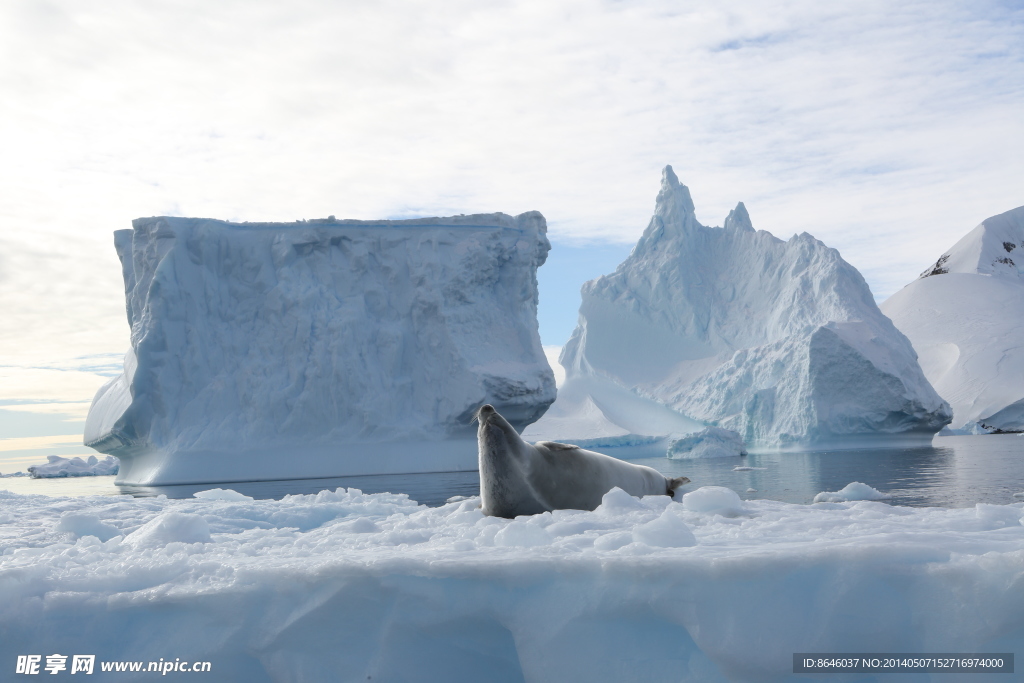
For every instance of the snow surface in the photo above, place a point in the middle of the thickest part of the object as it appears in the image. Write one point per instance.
(57, 466)
(594, 408)
(710, 442)
(347, 586)
(779, 341)
(965, 317)
(321, 348)
(852, 491)
(222, 494)
(717, 500)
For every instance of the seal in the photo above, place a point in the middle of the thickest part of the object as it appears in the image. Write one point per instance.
(518, 478)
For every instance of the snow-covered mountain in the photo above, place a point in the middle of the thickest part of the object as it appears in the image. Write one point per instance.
(965, 317)
(780, 341)
(322, 348)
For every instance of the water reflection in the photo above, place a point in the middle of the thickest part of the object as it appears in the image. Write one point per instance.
(955, 471)
(432, 489)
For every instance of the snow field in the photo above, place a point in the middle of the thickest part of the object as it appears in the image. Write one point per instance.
(963, 316)
(343, 585)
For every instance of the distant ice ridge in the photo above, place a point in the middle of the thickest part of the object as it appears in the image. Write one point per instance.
(354, 587)
(321, 348)
(778, 341)
(57, 466)
(710, 442)
(965, 317)
(617, 441)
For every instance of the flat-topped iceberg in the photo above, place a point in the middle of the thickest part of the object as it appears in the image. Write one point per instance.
(779, 341)
(965, 317)
(323, 348)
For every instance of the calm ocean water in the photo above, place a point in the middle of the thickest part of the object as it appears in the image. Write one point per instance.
(955, 471)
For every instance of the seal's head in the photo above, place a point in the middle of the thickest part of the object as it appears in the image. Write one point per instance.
(504, 466)
(496, 428)
(484, 413)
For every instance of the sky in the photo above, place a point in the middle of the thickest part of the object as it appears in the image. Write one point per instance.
(885, 129)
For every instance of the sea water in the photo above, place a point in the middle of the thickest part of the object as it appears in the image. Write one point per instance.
(954, 471)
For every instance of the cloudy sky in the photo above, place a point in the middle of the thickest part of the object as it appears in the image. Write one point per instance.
(886, 129)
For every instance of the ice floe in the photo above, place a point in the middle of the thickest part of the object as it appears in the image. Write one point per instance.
(345, 585)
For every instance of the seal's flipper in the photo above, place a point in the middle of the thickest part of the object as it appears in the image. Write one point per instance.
(554, 446)
(675, 483)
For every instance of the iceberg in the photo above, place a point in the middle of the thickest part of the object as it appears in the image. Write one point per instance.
(855, 490)
(57, 466)
(965, 317)
(779, 341)
(320, 348)
(347, 586)
(710, 442)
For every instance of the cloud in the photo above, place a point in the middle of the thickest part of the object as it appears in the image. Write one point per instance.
(885, 129)
(70, 411)
(25, 443)
(32, 388)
